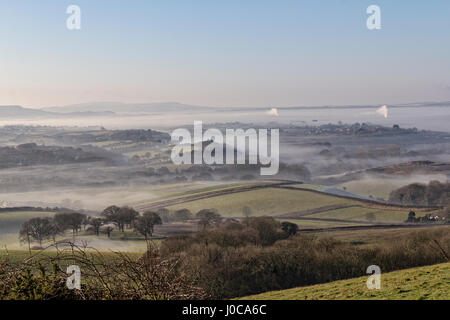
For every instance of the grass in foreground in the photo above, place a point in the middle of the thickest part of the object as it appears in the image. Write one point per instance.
(18, 257)
(430, 282)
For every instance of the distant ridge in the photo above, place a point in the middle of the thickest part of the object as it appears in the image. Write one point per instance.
(11, 112)
(120, 107)
(112, 108)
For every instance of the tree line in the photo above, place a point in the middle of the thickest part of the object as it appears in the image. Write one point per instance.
(434, 193)
(113, 217)
(42, 229)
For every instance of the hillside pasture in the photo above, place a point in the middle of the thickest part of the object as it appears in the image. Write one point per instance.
(264, 202)
(423, 283)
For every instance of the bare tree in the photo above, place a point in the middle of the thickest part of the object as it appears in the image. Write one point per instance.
(182, 215)
(37, 229)
(208, 218)
(127, 216)
(25, 234)
(112, 214)
(247, 211)
(96, 223)
(146, 223)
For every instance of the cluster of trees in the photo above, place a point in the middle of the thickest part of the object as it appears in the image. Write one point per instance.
(113, 217)
(136, 135)
(445, 213)
(428, 218)
(433, 194)
(177, 215)
(128, 218)
(211, 218)
(222, 172)
(31, 154)
(258, 231)
(122, 217)
(236, 260)
(40, 229)
(206, 217)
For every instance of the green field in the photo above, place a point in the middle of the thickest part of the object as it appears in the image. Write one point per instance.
(279, 201)
(269, 201)
(430, 282)
(21, 256)
(316, 210)
(359, 214)
(194, 188)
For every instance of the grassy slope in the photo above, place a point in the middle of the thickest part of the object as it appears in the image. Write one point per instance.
(270, 201)
(192, 188)
(275, 202)
(359, 213)
(45, 257)
(430, 282)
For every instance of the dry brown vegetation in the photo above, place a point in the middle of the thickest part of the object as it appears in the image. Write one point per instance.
(104, 276)
(230, 260)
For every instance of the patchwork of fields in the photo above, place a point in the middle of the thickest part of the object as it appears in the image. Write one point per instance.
(309, 209)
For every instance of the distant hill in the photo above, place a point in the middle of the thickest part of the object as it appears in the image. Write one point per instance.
(21, 112)
(401, 169)
(119, 107)
(30, 154)
(18, 111)
(112, 108)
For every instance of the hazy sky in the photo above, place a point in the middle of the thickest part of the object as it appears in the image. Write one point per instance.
(224, 53)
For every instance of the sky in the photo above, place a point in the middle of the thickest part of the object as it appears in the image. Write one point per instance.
(224, 53)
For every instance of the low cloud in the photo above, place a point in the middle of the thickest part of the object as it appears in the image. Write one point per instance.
(272, 112)
(383, 110)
